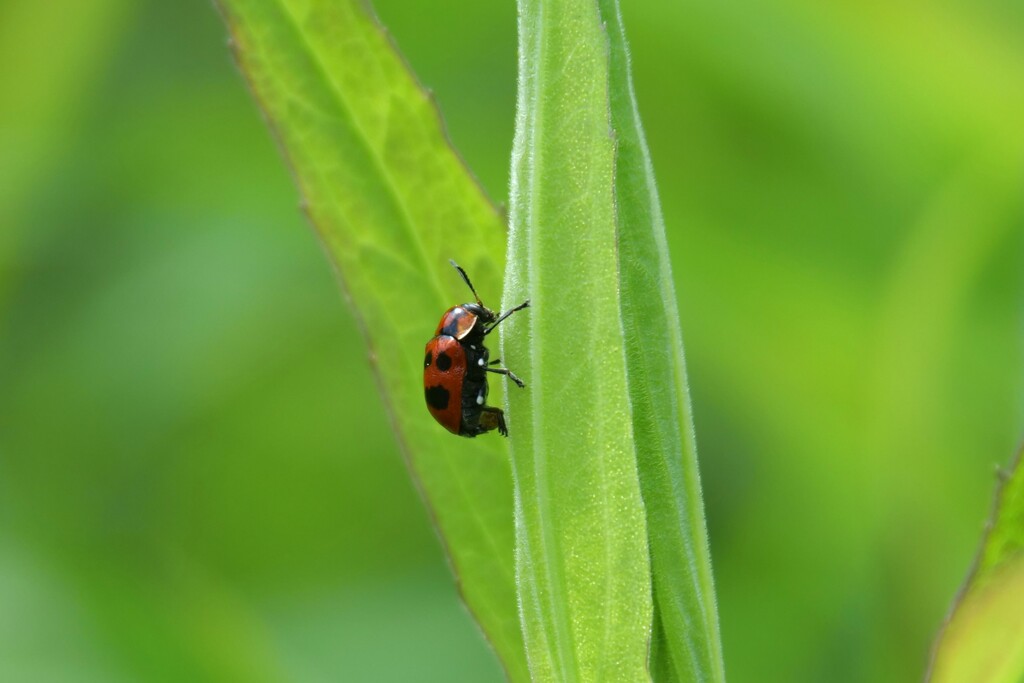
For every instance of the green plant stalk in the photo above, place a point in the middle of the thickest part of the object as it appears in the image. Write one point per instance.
(582, 567)
(684, 593)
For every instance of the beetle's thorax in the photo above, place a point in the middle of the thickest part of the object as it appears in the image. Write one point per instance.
(464, 320)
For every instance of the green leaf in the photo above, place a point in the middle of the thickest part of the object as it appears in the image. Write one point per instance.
(686, 616)
(582, 557)
(386, 195)
(983, 639)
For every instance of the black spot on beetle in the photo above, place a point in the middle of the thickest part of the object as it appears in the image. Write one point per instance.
(437, 397)
(426, 361)
(444, 362)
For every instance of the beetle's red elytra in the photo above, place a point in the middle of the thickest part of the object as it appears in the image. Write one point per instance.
(456, 365)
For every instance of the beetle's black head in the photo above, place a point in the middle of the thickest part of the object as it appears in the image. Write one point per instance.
(484, 314)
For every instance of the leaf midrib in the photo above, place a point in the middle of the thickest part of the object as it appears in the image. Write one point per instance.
(380, 168)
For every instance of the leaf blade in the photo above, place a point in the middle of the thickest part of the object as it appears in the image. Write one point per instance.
(580, 531)
(662, 417)
(384, 191)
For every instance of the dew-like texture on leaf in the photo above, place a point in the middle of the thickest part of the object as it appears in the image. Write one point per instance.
(581, 554)
(983, 639)
(385, 193)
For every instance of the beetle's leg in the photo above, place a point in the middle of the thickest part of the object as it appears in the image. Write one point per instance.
(509, 374)
(506, 314)
(493, 418)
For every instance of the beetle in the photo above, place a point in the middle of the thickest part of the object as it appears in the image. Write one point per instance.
(456, 365)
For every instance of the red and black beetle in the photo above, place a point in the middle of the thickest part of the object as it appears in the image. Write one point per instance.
(456, 366)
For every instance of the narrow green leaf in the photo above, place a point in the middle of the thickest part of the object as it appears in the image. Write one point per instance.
(581, 555)
(983, 638)
(386, 194)
(686, 616)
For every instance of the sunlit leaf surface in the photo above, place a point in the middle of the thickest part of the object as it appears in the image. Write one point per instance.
(582, 557)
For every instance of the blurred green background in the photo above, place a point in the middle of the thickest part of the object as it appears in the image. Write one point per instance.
(197, 478)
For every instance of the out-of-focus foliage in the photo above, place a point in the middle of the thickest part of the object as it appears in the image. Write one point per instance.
(197, 480)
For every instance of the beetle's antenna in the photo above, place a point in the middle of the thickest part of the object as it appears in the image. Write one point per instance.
(525, 304)
(466, 278)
